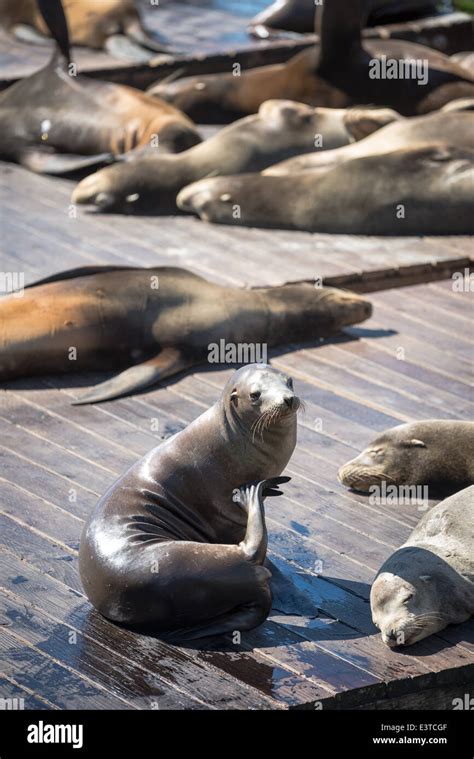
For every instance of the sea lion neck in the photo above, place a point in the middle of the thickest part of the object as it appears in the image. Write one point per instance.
(338, 24)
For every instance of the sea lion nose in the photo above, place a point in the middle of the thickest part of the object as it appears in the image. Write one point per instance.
(289, 400)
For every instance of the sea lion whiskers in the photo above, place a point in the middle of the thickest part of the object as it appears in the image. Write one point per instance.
(272, 415)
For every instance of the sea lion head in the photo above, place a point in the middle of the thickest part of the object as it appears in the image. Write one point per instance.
(260, 398)
(305, 312)
(201, 97)
(288, 117)
(415, 594)
(396, 457)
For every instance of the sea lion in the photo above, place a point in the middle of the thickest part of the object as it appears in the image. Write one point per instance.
(281, 128)
(298, 15)
(156, 321)
(464, 59)
(424, 189)
(113, 25)
(179, 541)
(428, 583)
(340, 72)
(438, 454)
(55, 122)
(454, 128)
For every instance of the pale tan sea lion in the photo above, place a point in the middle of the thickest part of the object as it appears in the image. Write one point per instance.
(428, 583)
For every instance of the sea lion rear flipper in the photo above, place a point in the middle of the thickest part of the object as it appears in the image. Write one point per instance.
(44, 161)
(122, 47)
(140, 36)
(168, 362)
(26, 33)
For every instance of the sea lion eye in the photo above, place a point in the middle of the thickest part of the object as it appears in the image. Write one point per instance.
(255, 396)
(289, 383)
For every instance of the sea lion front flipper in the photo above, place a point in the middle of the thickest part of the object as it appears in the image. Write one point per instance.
(168, 362)
(44, 161)
(360, 122)
(27, 33)
(339, 26)
(122, 47)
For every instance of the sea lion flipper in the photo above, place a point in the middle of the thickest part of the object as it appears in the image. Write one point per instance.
(339, 26)
(27, 33)
(168, 362)
(153, 42)
(44, 161)
(122, 47)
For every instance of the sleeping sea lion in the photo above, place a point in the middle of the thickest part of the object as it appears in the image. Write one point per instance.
(435, 453)
(448, 125)
(178, 542)
(428, 583)
(423, 189)
(57, 122)
(114, 25)
(340, 72)
(157, 322)
(281, 128)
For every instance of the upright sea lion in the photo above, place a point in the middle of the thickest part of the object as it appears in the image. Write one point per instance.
(156, 321)
(179, 541)
(56, 122)
(428, 583)
(454, 128)
(424, 189)
(298, 15)
(438, 454)
(281, 128)
(111, 24)
(340, 72)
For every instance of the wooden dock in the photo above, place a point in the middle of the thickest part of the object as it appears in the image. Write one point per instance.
(211, 35)
(412, 360)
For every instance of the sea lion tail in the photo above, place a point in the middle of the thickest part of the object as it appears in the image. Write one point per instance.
(55, 19)
(170, 361)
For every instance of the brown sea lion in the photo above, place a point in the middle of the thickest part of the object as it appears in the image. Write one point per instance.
(157, 322)
(455, 128)
(298, 15)
(423, 189)
(464, 59)
(114, 25)
(281, 128)
(340, 72)
(428, 583)
(435, 453)
(178, 542)
(56, 122)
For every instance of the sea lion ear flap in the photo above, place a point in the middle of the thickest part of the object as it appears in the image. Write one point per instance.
(234, 397)
(425, 578)
(414, 443)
